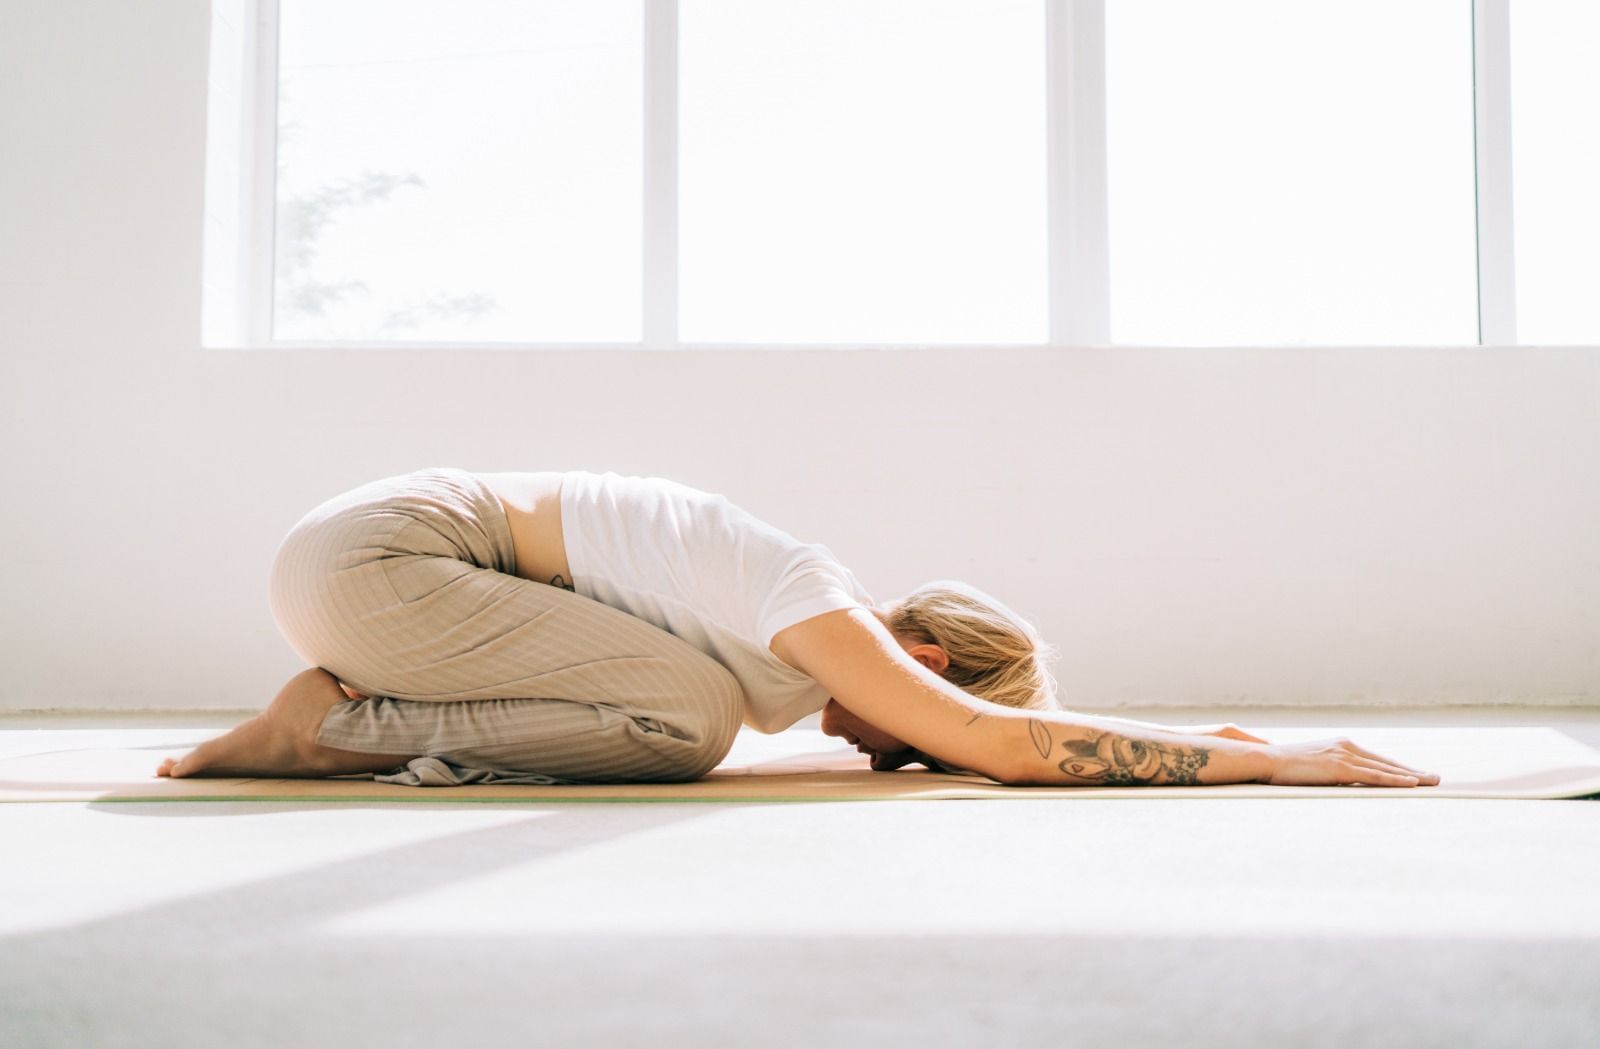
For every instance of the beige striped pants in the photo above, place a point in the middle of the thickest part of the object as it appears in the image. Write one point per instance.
(404, 589)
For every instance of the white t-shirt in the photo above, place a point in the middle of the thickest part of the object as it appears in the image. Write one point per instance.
(716, 576)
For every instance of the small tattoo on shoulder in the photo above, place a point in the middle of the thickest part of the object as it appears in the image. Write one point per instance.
(975, 717)
(560, 581)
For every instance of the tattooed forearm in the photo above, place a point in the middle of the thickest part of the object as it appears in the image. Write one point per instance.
(1119, 761)
(561, 581)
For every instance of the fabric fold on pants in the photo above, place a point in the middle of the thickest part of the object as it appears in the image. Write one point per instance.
(440, 772)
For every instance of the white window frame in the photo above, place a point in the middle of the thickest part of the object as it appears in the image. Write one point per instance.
(1078, 278)
(1491, 115)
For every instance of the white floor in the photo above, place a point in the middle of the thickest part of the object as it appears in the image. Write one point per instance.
(995, 923)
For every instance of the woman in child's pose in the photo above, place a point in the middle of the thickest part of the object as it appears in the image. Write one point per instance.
(574, 627)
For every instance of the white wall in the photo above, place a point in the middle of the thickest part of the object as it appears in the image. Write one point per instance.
(1377, 526)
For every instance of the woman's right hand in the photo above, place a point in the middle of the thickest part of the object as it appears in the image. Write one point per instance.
(1338, 763)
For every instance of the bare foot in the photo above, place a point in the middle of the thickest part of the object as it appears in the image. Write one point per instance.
(281, 740)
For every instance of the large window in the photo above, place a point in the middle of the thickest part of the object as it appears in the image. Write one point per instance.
(462, 170)
(666, 173)
(861, 171)
(1284, 173)
(1555, 95)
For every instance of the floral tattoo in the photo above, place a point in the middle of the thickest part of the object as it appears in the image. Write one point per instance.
(1118, 761)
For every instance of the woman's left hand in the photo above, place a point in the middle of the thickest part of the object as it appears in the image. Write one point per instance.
(894, 760)
(909, 756)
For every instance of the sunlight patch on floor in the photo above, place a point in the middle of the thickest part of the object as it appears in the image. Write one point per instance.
(84, 863)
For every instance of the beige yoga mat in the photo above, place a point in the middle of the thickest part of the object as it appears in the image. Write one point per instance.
(798, 765)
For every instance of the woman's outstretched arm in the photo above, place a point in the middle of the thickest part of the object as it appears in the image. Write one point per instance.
(851, 654)
(1227, 729)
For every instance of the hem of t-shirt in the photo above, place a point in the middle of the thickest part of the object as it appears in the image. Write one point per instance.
(585, 586)
(789, 718)
(572, 536)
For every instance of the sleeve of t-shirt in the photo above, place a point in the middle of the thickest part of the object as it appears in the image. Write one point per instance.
(808, 589)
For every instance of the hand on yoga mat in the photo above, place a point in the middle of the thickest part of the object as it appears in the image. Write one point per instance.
(1339, 763)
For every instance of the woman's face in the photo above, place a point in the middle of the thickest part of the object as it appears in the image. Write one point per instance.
(887, 752)
(870, 740)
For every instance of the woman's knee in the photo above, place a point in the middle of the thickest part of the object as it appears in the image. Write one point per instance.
(706, 729)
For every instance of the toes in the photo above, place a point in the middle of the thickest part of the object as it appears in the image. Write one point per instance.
(187, 765)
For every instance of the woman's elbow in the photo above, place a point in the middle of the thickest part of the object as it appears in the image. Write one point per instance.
(1010, 776)
(1002, 773)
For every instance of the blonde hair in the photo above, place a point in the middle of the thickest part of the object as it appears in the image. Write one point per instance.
(994, 653)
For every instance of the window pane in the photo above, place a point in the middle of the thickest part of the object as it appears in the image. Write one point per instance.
(464, 171)
(865, 170)
(1291, 173)
(1555, 135)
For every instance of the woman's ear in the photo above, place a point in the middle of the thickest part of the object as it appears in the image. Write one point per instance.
(931, 656)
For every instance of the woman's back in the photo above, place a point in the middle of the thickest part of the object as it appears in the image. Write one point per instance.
(532, 503)
(690, 562)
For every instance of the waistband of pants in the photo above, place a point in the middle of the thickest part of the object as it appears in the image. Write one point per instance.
(454, 503)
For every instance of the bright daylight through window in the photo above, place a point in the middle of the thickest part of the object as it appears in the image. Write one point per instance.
(1555, 104)
(458, 171)
(1291, 173)
(668, 173)
(881, 184)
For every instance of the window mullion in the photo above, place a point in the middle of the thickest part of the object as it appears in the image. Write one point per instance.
(1491, 79)
(259, 170)
(660, 276)
(1075, 112)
